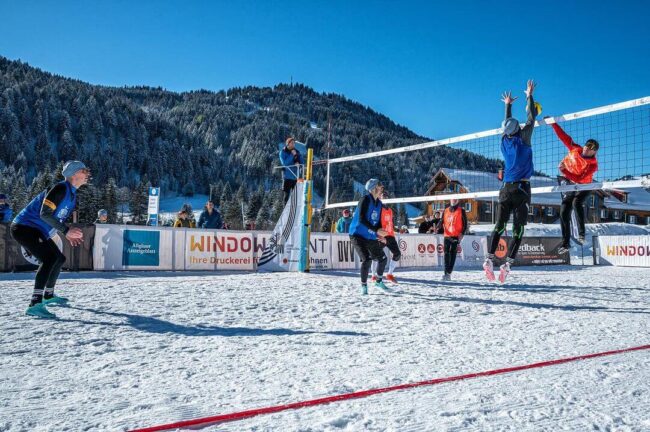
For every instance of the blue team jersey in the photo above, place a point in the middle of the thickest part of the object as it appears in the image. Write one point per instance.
(31, 215)
(518, 158)
(372, 215)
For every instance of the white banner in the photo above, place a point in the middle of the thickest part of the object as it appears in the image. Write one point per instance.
(283, 251)
(161, 248)
(125, 247)
(628, 251)
(320, 251)
(343, 255)
(154, 205)
(471, 251)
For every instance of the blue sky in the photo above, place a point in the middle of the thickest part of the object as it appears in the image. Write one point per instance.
(435, 67)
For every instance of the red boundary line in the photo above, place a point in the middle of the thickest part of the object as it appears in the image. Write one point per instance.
(205, 421)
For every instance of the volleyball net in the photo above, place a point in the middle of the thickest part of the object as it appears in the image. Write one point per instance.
(468, 166)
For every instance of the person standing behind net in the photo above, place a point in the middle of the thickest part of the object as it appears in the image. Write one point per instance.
(366, 234)
(36, 224)
(210, 217)
(388, 225)
(343, 224)
(514, 196)
(578, 167)
(291, 160)
(454, 224)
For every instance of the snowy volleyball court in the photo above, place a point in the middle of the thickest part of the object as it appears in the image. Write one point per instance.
(142, 349)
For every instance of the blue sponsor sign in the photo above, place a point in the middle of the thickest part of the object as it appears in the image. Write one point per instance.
(141, 248)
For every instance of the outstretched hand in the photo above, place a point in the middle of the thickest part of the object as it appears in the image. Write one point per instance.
(530, 88)
(507, 98)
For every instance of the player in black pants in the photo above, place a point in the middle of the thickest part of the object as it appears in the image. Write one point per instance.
(514, 197)
(34, 227)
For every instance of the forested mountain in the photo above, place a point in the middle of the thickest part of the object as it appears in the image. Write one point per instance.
(185, 142)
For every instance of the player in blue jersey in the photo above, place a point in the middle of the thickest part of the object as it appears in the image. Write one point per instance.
(34, 227)
(367, 235)
(514, 197)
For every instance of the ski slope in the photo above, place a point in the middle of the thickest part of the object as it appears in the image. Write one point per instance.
(141, 349)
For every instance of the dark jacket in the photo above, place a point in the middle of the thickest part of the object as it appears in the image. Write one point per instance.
(210, 221)
(5, 213)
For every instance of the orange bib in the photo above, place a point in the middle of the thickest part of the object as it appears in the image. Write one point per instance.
(387, 221)
(453, 222)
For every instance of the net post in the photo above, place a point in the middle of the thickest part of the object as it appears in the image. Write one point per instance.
(327, 185)
(306, 217)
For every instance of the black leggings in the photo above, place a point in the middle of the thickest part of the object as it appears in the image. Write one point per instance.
(45, 250)
(513, 198)
(369, 250)
(572, 200)
(451, 247)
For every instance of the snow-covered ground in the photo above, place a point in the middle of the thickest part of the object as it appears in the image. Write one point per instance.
(139, 349)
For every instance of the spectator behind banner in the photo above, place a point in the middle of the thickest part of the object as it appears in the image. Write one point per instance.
(210, 217)
(190, 213)
(102, 217)
(291, 160)
(5, 211)
(343, 224)
(403, 229)
(183, 220)
(436, 227)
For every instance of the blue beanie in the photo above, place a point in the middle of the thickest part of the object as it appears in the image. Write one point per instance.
(510, 126)
(372, 183)
(71, 167)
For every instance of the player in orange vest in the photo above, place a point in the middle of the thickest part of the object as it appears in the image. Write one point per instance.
(388, 225)
(454, 223)
(579, 166)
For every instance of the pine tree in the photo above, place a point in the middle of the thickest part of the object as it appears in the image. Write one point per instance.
(139, 202)
(19, 197)
(254, 205)
(232, 214)
(226, 195)
(262, 220)
(109, 200)
(43, 181)
(89, 201)
(278, 207)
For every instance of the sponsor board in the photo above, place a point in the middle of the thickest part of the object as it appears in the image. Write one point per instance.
(219, 250)
(283, 251)
(141, 248)
(628, 251)
(533, 251)
(320, 251)
(342, 252)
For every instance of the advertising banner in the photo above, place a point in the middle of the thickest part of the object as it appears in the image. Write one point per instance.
(533, 251)
(343, 255)
(320, 251)
(235, 251)
(218, 250)
(471, 251)
(627, 251)
(153, 206)
(122, 248)
(283, 251)
(141, 248)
